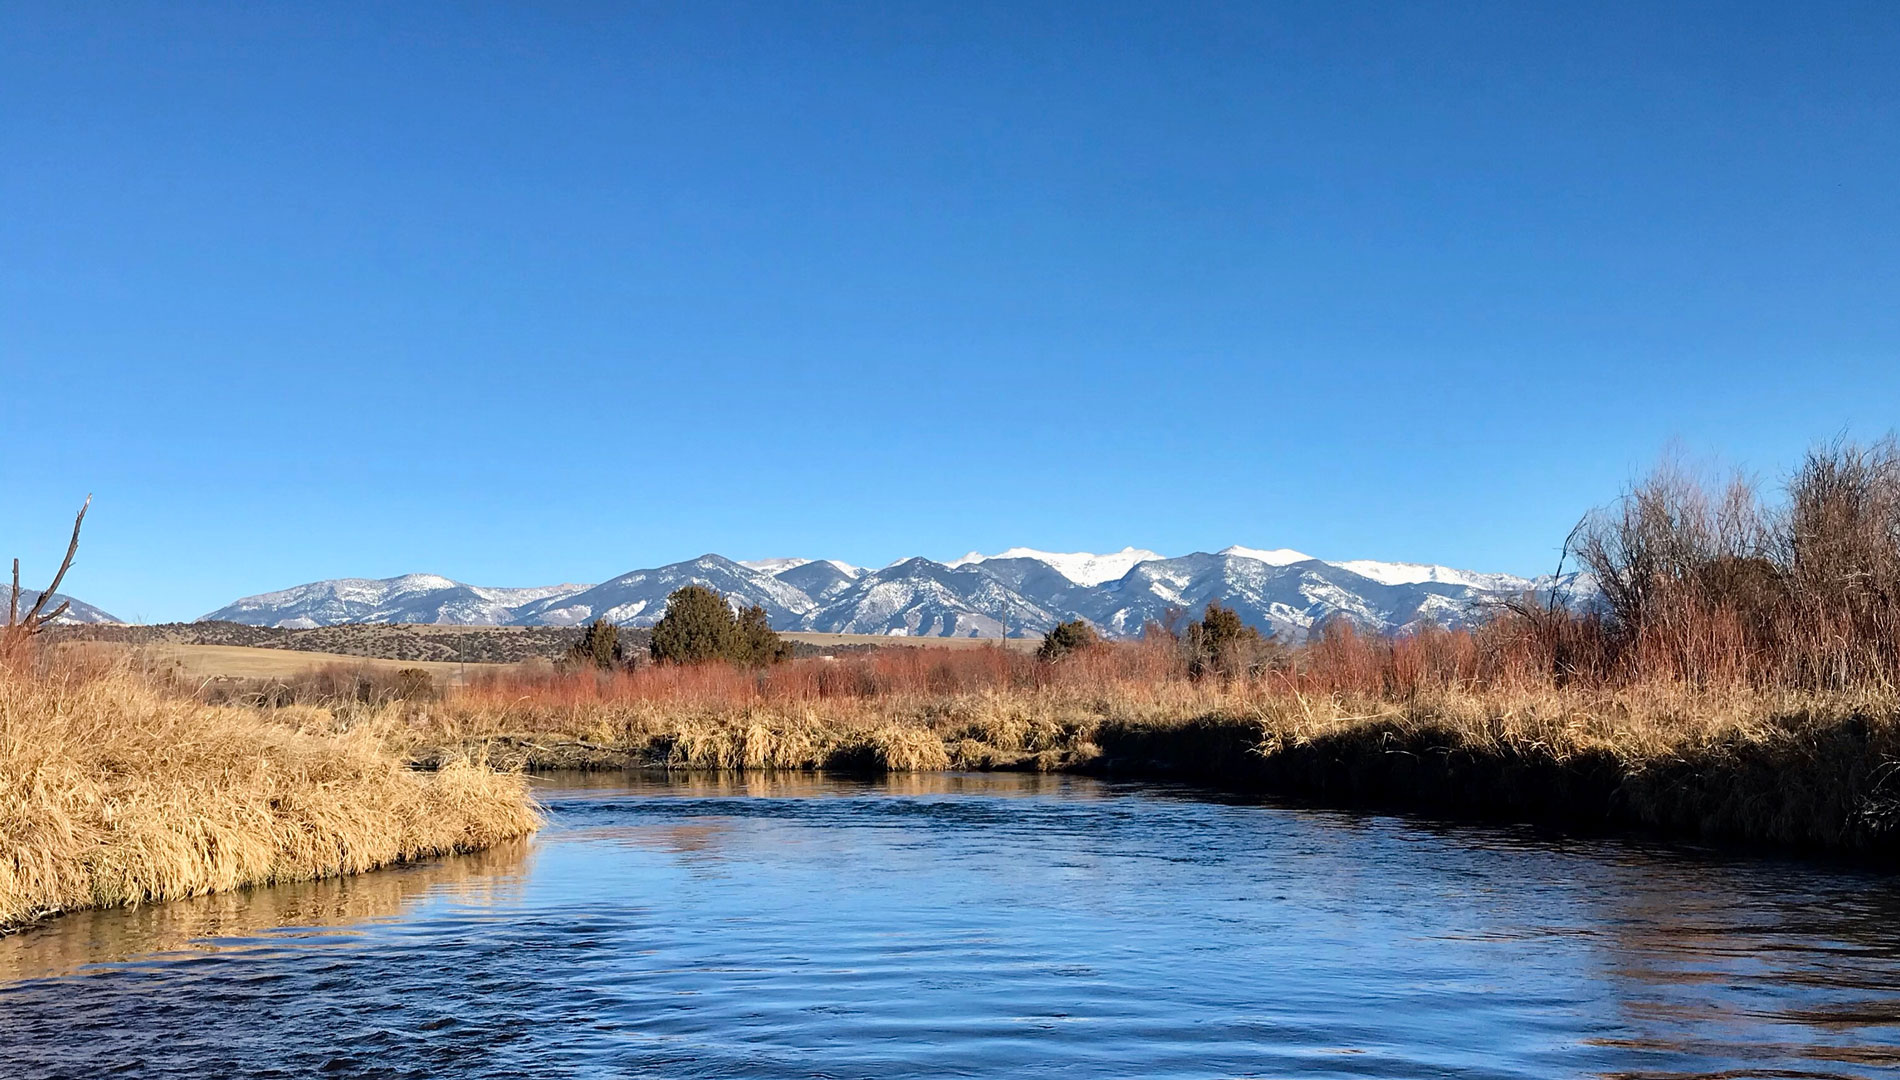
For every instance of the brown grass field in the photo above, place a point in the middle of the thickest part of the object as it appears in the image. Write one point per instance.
(198, 662)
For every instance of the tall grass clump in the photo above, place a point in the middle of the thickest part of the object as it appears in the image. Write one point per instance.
(115, 792)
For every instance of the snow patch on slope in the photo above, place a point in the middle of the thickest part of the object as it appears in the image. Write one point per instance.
(1081, 567)
(1403, 573)
(773, 566)
(1270, 556)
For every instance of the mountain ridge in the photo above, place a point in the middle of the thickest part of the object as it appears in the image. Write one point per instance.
(1019, 591)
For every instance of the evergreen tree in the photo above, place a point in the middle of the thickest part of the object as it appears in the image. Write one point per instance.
(1067, 637)
(755, 643)
(599, 645)
(698, 626)
(1221, 642)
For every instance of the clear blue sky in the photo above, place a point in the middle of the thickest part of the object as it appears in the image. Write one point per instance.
(529, 293)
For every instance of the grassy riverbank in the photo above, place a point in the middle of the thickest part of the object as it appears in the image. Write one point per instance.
(114, 791)
(1802, 769)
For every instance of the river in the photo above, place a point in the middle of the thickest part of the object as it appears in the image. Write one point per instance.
(983, 926)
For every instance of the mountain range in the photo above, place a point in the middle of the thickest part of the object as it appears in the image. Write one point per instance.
(1017, 592)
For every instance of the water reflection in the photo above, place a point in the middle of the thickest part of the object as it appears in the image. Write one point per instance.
(807, 785)
(235, 920)
(993, 925)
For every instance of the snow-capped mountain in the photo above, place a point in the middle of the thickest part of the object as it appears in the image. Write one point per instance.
(821, 579)
(1272, 557)
(639, 598)
(1405, 573)
(78, 612)
(1290, 598)
(411, 598)
(1020, 591)
(1078, 566)
(920, 598)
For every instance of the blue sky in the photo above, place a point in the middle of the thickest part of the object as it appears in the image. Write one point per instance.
(530, 293)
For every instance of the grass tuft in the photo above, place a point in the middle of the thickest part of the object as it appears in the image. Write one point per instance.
(113, 792)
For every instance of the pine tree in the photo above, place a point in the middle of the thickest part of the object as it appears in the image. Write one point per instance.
(1221, 642)
(698, 626)
(1067, 637)
(755, 643)
(599, 645)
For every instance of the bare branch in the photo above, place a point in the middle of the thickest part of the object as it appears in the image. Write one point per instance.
(33, 617)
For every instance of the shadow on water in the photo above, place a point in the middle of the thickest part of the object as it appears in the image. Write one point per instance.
(984, 925)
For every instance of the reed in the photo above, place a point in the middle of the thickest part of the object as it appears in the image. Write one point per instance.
(113, 791)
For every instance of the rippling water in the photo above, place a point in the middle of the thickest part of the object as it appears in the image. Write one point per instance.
(982, 926)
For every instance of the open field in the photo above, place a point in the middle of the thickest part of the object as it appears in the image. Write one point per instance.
(388, 641)
(197, 663)
(241, 662)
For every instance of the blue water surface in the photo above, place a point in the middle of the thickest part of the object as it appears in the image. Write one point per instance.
(983, 926)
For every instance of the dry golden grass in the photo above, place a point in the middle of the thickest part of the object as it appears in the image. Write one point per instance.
(1804, 769)
(113, 792)
(193, 663)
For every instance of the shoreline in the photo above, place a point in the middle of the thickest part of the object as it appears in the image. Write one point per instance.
(1801, 785)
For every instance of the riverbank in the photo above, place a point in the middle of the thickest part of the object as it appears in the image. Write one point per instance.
(1804, 771)
(114, 791)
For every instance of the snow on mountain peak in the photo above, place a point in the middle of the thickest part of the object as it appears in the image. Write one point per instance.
(773, 566)
(1403, 573)
(420, 582)
(1270, 556)
(1081, 567)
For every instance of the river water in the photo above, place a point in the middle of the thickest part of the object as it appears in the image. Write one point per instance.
(983, 926)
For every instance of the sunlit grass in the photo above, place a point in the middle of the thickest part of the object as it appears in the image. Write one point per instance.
(114, 792)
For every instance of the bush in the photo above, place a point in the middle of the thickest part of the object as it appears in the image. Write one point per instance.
(599, 646)
(1221, 643)
(700, 626)
(1072, 636)
(415, 684)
